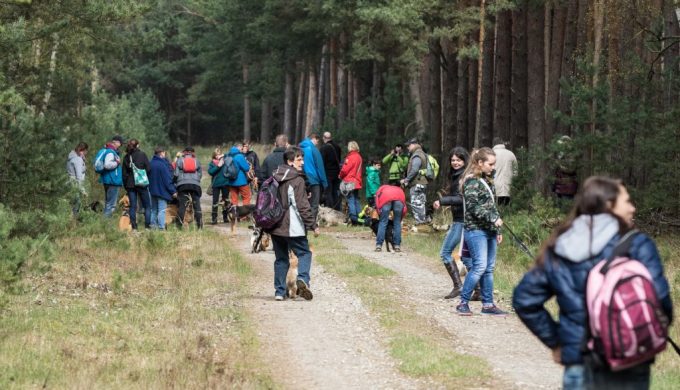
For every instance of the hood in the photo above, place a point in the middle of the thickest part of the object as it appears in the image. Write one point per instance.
(306, 143)
(576, 244)
(278, 149)
(159, 158)
(284, 173)
(73, 155)
(234, 151)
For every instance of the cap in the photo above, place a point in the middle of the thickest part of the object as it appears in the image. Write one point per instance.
(118, 138)
(411, 141)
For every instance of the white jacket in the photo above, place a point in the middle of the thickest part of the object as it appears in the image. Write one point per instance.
(506, 169)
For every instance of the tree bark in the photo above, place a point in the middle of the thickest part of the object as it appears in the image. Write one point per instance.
(266, 122)
(246, 104)
(342, 95)
(462, 103)
(311, 102)
(435, 104)
(288, 105)
(53, 68)
(480, 73)
(567, 68)
(502, 76)
(598, 26)
(414, 91)
(300, 112)
(518, 81)
(334, 73)
(323, 68)
(375, 89)
(450, 98)
(535, 79)
(473, 66)
(486, 100)
(555, 70)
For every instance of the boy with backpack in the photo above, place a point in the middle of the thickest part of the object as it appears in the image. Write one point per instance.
(415, 182)
(107, 165)
(188, 175)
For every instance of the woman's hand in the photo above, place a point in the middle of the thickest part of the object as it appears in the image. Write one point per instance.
(499, 238)
(436, 205)
(498, 223)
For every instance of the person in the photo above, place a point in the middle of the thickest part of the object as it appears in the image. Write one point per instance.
(254, 162)
(161, 187)
(331, 156)
(218, 184)
(397, 163)
(314, 170)
(482, 230)
(188, 175)
(274, 159)
(388, 199)
(239, 185)
(506, 169)
(603, 212)
(458, 161)
(565, 181)
(135, 158)
(350, 174)
(291, 233)
(415, 181)
(111, 174)
(372, 181)
(75, 168)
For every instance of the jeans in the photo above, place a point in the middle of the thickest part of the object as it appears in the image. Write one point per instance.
(574, 377)
(111, 199)
(418, 201)
(300, 247)
(145, 198)
(184, 198)
(397, 208)
(216, 202)
(353, 205)
(332, 194)
(158, 207)
(482, 245)
(584, 376)
(314, 199)
(452, 239)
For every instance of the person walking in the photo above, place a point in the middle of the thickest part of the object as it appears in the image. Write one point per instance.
(314, 170)
(372, 181)
(397, 163)
(136, 159)
(350, 174)
(415, 181)
(238, 186)
(75, 168)
(601, 216)
(388, 199)
(188, 173)
(331, 156)
(107, 165)
(482, 230)
(506, 169)
(274, 159)
(161, 187)
(291, 233)
(218, 184)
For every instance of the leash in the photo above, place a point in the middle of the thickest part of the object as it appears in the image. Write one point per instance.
(519, 242)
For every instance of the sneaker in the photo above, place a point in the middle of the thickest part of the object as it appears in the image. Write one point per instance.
(396, 248)
(278, 298)
(303, 290)
(463, 309)
(378, 249)
(494, 310)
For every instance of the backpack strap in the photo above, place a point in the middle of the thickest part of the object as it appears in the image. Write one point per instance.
(622, 248)
(675, 346)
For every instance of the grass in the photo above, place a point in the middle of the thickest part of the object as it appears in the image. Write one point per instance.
(420, 351)
(161, 311)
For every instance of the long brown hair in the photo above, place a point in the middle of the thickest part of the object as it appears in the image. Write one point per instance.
(597, 196)
(478, 155)
(132, 145)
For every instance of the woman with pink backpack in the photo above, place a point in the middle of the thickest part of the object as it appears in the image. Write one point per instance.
(599, 235)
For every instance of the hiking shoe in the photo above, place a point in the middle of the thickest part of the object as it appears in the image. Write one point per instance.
(378, 249)
(278, 298)
(463, 309)
(303, 290)
(494, 310)
(396, 248)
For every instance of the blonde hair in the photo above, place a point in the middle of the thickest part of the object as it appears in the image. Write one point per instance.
(352, 145)
(473, 169)
(216, 152)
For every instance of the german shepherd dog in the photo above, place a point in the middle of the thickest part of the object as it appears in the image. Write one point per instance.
(389, 231)
(235, 213)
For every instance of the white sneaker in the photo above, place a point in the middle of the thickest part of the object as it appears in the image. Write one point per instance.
(278, 298)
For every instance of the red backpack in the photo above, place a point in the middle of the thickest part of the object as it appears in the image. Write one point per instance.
(189, 164)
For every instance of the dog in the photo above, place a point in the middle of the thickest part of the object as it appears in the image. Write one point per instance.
(236, 213)
(259, 240)
(124, 221)
(375, 223)
(291, 276)
(330, 217)
(172, 214)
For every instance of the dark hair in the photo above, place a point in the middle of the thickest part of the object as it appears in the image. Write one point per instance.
(189, 149)
(132, 145)
(597, 196)
(314, 136)
(290, 154)
(498, 141)
(81, 146)
(374, 161)
(158, 150)
(399, 146)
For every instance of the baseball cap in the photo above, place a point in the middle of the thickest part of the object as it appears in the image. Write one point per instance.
(413, 140)
(118, 138)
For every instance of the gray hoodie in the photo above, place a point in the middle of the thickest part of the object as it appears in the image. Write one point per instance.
(75, 167)
(581, 242)
(188, 178)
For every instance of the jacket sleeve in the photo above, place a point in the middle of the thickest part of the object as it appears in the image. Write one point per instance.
(147, 164)
(126, 167)
(79, 165)
(318, 161)
(528, 300)
(481, 213)
(415, 167)
(242, 163)
(166, 175)
(647, 253)
(303, 206)
(213, 169)
(110, 162)
(387, 159)
(199, 170)
(451, 200)
(345, 169)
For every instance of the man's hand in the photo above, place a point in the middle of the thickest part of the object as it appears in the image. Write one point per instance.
(316, 232)
(436, 205)
(403, 182)
(174, 195)
(498, 223)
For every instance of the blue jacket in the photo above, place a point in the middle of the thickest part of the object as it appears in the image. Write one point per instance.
(564, 274)
(111, 176)
(314, 170)
(160, 179)
(243, 167)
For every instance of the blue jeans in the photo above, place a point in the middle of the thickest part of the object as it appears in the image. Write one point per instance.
(300, 247)
(451, 240)
(158, 207)
(111, 193)
(145, 198)
(397, 207)
(354, 205)
(482, 245)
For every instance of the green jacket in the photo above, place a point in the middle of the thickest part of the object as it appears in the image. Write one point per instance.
(217, 174)
(397, 164)
(372, 181)
(480, 208)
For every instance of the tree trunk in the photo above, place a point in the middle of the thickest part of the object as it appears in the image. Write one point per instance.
(318, 118)
(473, 66)
(342, 95)
(567, 67)
(375, 89)
(288, 105)
(535, 80)
(246, 104)
(670, 59)
(480, 73)
(53, 68)
(266, 122)
(300, 112)
(311, 102)
(414, 91)
(518, 81)
(462, 103)
(502, 75)
(188, 141)
(425, 86)
(450, 98)
(486, 101)
(555, 70)
(334, 74)
(598, 26)
(355, 95)
(435, 104)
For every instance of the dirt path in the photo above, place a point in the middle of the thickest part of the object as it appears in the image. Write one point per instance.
(330, 342)
(504, 342)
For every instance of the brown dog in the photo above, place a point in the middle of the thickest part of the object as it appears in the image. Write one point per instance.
(172, 214)
(124, 221)
(291, 277)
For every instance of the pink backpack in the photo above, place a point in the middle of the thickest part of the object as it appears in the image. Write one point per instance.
(627, 324)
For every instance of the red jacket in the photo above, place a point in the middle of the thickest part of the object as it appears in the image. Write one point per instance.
(351, 169)
(387, 193)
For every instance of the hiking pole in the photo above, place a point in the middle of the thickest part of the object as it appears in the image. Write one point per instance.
(519, 242)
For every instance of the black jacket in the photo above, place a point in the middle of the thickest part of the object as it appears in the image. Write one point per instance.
(453, 197)
(332, 158)
(270, 163)
(141, 162)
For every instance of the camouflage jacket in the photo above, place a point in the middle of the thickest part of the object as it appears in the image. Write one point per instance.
(480, 209)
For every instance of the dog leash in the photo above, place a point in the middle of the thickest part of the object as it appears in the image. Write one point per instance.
(519, 242)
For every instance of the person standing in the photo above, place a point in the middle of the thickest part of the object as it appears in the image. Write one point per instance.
(239, 184)
(372, 181)
(274, 159)
(219, 185)
(75, 168)
(314, 170)
(397, 163)
(506, 169)
(415, 181)
(135, 158)
(161, 187)
(350, 174)
(388, 199)
(331, 155)
(291, 233)
(188, 175)
(254, 162)
(107, 165)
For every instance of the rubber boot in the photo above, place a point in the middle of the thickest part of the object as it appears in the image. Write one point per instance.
(455, 278)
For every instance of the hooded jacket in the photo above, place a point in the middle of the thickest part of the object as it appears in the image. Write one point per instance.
(270, 163)
(351, 169)
(141, 162)
(75, 167)
(564, 273)
(298, 218)
(453, 197)
(243, 168)
(397, 165)
(314, 170)
(217, 173)
(113, 173)
(160, 180)
(372, 181)
(187, 178)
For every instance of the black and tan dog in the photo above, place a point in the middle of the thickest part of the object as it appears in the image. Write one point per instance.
(237, 213)
(375, 223)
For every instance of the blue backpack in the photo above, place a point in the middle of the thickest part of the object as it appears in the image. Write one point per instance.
(99, 160)
(230, 170)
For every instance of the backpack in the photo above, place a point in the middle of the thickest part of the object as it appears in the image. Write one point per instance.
(99, 160)
(189, 164)
(230, 170)
(626, 322)
(269, 210)
(431, 171)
